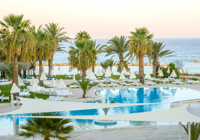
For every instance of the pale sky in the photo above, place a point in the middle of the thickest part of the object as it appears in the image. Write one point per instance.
(103, 19)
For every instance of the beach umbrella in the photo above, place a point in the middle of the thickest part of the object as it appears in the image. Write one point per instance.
(110, 70)
(32, 81)
(122, 77)
(124, 70)
(14, 89)
(92, 76)
(19, 80)
(80, 73)
(99, 73)
(168, 71)
(173, 74)
(53, 83)
(147, 76)
(36, 71)
(61, 85)
(107, 74)
(74, 76)
(102, 70)
(59, 69)
(132, 76)
(34, 88)
(161, 73)
(158, 69)
(43, 77)
(42, 69)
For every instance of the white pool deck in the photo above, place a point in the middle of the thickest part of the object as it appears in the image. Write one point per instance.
(164, 132)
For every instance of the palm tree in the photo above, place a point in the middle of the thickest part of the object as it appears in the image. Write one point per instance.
(118, 46)
(82, 35)
(85, 86)
(125, 66)
(46, 127)
(110, 63)
(58, 36)
(43, 48)
(13, 44)
(157, 53)
(141, 43)
(9, 70)
(97, 50)
(195, 130)
(80, 55)
(104, 65)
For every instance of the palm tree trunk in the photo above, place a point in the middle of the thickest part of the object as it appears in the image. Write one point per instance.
(93, 66)
(83, 74)
(15, 70)
(50, 63)
(141, 67)
(84, 95)
(34, 70)
(40, 72)
(121, 63)
(154, 68)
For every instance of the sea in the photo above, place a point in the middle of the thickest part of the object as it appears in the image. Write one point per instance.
(185, 49)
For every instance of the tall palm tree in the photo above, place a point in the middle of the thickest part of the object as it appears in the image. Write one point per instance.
(97, 49)
(158, 52)
(46, 127)
(141, 43)
(14, 29)
(82, 35)
(57, 35)
(80, 55)
(118, 46)
(43, 48)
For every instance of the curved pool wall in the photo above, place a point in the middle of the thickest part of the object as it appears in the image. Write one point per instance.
(125, 95)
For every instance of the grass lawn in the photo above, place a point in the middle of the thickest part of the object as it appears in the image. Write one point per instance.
(63, 77)
(6, 91)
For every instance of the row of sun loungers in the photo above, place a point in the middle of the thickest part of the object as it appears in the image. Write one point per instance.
(4, 83)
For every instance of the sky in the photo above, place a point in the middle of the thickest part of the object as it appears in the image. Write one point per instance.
(104, 19)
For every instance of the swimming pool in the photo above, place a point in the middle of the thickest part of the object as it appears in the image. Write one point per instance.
(125, 95)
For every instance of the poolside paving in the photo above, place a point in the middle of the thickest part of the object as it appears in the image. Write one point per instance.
(165, 132)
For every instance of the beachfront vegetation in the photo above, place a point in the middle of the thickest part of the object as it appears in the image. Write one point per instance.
(16, 42)
(82, 35)
(57, 35)
(158, 52)
(43, 47)
(9, 69)
(125, 66)
(80, 55)
(46, 127)
(85, 85)
(118, 46)
(171, 68)
(110, 63)
(140, 44)
(195, 130)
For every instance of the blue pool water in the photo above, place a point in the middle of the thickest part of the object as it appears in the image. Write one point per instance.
(126, 95)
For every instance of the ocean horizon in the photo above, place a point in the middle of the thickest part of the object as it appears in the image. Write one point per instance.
(185, 49)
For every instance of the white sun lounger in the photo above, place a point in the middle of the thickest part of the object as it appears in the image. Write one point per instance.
(63, 93)
(125, 84)
(150, 83)
(154, 79)
(53, 98)
(4, 83)
(113, 84)
(48, 90)
(17, 102)
(178, 82)
(24, 94)
(21, 84)
(136, 84)
(192, 82)
(4, 98)
(102, 85)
